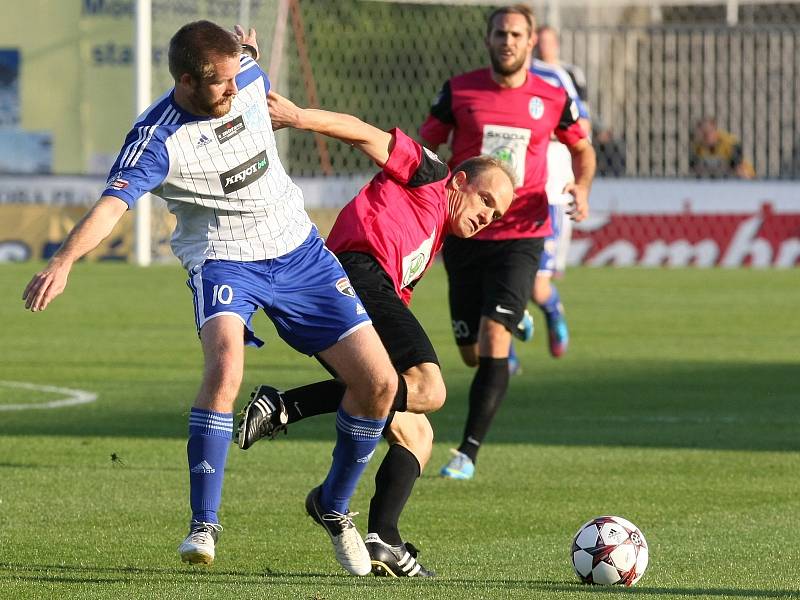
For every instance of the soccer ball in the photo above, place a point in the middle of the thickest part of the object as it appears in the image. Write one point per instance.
(609, 551)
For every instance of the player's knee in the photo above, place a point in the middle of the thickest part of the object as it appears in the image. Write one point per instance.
(381, 388)
(542, 287)
(469, 355)
(433, 393)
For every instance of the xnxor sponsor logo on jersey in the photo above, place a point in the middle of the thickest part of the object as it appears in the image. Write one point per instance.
(536, 107)
(244, 174)
(230, 130)
(344, 287)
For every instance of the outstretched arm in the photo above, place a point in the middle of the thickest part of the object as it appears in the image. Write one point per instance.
(374, 142)
(92, 229)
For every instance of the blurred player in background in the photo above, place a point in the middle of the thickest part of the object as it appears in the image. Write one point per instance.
(505, 111)
(386, 237)
(242, 233)
(717, 153)
(547, 65)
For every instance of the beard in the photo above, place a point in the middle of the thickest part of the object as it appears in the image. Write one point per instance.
(506, 69)
(215, 110)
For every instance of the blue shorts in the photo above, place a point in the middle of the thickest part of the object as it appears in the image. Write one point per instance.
(547, 263)
(305, 293)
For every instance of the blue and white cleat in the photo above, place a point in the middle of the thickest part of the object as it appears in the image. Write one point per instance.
(460, 466)
(524, 329)
(558, 333)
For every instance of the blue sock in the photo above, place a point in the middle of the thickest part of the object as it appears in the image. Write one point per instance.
(512, 352)
(551, 306)
(210, 435)
(356, 440)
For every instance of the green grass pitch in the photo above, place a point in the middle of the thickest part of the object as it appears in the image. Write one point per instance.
(677, 407)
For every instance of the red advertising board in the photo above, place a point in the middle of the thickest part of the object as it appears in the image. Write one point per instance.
(760, 239)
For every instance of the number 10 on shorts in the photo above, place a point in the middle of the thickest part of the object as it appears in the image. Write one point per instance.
(222, 294)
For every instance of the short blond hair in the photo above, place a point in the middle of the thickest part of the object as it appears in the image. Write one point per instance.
(476, 165)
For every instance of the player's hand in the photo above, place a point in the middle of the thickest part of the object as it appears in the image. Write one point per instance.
(45, 286)
(578, 208)
(282, 111)
(248, 39)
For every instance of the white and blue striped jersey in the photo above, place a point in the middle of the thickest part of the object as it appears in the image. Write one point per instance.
(221, 177)
(564, 76)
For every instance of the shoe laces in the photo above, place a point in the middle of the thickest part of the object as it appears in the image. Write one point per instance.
(342, 521)
(199, 528)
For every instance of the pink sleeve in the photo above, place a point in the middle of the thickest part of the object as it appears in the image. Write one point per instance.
(435, 131)
(571, 135)
(404, 157)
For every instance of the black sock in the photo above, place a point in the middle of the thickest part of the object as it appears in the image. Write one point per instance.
(485, 396)
(314, 399)
(393, 484)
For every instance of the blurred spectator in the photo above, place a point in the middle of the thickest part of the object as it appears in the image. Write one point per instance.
(610, 153)
(717, 153)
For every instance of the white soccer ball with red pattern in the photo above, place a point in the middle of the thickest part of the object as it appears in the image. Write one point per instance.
(608, 551)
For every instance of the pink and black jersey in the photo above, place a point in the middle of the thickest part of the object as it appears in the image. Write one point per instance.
(400, 217)
(514, 124)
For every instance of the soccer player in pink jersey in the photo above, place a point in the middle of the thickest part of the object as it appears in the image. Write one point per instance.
(385, 239)
(506, 111)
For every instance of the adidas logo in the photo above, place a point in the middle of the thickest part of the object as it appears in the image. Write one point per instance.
(203, 141)
(360, 309)
(203, 467)
(365, 459)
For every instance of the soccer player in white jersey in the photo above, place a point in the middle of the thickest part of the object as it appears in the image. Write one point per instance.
(549, 67)
(208, 149)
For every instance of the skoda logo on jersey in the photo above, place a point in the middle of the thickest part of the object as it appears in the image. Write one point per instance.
(244, 174)
(228, 131)
(344, 287)
(536, 107)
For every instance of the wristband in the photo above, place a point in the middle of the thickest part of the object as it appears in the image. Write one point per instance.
(251, 50)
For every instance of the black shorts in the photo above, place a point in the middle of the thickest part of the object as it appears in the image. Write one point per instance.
(402, 335)
(489, 278)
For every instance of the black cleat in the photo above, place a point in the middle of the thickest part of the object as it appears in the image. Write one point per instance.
(347, 543)
(264, 416)
(394, 561)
